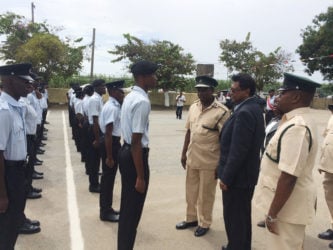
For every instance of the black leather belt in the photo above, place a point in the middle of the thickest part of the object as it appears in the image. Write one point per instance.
(144, 150)
(9, 163)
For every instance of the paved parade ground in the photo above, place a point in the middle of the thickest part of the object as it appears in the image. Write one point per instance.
(69, 213)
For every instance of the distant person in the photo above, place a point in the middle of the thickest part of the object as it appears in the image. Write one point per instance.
(133, 155)
(221, 98)
(180, 100)
(200, 155)
(270, 106)
(286, 189)
(241, 139)
(326, 167)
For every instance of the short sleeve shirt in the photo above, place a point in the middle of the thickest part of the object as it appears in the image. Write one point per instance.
(297, 159)
(94, 107)
(326, 156)
(111, 114)
(205, 126)
(12, 132)
(30, 116)
(135, 115)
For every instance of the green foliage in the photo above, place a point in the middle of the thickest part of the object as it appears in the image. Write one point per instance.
(175, 64)
(243, 57)
(35, 43)
(317, 49)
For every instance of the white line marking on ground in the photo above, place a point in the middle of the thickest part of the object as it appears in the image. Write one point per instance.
(73, 212)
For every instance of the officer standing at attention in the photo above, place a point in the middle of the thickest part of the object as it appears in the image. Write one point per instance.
(94, 109)
(109, 122)
(326, 167)
(200, 156)
(13, 152)
(133, 155)
(286, 189)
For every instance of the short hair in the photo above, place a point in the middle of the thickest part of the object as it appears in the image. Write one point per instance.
(245, 82)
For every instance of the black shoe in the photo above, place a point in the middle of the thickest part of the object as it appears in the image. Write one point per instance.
(93, 189)
(39, 173)
(33, 195)
(44, 138)
(327, 235)
(42, 144)
(46, 122)
(37, 190)
(37, 176)
(32, 222)
(201, 231)
(40, 151)
(184, 225)
(112, 217)
(45, 130)
(27, 228)
(261, 224)
(38, 163)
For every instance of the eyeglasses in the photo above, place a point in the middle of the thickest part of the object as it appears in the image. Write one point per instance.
(235, 90)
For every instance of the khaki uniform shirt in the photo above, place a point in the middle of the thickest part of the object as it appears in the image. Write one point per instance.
(296, 160)
(326, 157)
(205, 125)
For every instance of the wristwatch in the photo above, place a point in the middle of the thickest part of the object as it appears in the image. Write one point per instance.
(271, 219)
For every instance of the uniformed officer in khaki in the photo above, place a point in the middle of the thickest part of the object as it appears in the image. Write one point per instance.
(326, 167)
(286, 189)
(200, 155)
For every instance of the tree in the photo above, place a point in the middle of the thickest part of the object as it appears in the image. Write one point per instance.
(175, 64)
(243, 57)
(317, 49)
(36, 43)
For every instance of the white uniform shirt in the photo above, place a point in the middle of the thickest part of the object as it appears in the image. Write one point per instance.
(36, 105)
(78, 106)
(135, 115)
(30, 116)
(111, 114)
(85, 105)
(94, 107)
(12, 132)
(43, 102)
(180, 100)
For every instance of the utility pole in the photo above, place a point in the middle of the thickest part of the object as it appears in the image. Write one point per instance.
(92, 55)
(32, 12)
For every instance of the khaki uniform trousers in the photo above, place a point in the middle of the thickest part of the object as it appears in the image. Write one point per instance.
(291, 237)
(200, 195)
(328, 189)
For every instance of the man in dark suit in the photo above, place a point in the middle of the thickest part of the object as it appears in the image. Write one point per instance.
(241, 139)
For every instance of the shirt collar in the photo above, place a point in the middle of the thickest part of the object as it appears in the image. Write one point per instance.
(140, 90)
(114, 101)
(10, 99)
(240, 104)
(295, 112)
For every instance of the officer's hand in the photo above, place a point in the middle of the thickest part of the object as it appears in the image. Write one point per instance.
(223, 187)
(140, 185)
(3, 204)
(183, 161)
(109, 162)
(271, 227)
(95, 144)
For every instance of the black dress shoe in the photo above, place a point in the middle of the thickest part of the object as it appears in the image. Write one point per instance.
(261, 224)
(42, 144)
(32, 222)
(27, 228)
(46, 122)
(330, 245)
(45, 129)
(37, 190)
(34, 195)
(37, 176)
(201, 231)
(38, 163)
(44, 138)
(40, 152)
(327, 235)
(184, 225)
(112, 217)
(39, 173)
(96, 189)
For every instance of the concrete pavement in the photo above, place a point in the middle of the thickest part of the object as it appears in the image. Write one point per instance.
(69, 214)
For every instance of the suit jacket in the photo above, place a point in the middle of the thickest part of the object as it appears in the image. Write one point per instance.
(241, 139)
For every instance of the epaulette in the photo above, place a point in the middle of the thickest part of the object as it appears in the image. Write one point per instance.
(3, 104)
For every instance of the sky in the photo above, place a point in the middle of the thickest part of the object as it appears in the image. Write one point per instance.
(197, 26)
